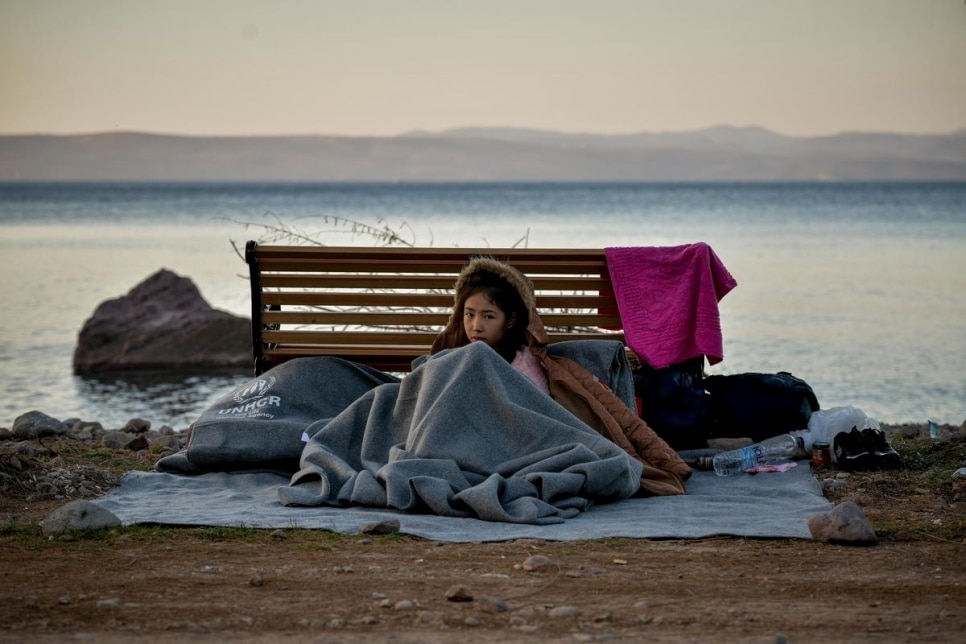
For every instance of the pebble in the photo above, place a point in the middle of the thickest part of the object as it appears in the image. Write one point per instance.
(428, 617)
(389, 526)
(564, 611)
(492, 605)
(78, 515)
(537, 563)
(844, 524)
(459, 593)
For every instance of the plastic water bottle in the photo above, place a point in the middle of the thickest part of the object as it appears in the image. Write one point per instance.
(772, 450)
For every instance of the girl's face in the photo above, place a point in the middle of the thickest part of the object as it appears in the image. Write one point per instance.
(483, 320)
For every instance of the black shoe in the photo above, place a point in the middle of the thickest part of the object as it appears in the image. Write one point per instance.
(851, 452)
(883, 456)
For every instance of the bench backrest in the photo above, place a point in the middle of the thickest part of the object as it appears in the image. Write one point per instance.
(384, 306)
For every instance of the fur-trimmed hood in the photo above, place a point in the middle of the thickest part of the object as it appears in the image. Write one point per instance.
(452, 336)
(480, 263)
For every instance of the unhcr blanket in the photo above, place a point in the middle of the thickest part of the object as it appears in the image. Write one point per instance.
(463, 435)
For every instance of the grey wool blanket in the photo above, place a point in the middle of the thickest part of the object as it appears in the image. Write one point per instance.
(463, 435)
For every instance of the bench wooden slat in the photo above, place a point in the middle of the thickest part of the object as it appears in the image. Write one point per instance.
(321, 340)
(441, 282)
(424, 265)
(404, 320)
(403, 300)
(403, 253)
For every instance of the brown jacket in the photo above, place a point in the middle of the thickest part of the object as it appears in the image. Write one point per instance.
(591, 401)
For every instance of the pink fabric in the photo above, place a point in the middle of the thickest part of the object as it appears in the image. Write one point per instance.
(527, 364)
(668, 301)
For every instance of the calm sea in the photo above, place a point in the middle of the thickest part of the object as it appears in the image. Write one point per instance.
(860, 289)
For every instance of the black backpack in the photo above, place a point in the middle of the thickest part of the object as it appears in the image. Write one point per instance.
(673, 402)
(758, 405)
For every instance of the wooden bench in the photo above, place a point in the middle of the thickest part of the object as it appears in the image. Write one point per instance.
(384, 306)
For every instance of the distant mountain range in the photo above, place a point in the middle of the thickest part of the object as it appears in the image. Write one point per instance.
(488, 154)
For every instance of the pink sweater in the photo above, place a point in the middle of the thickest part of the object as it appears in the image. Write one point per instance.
(527, 364)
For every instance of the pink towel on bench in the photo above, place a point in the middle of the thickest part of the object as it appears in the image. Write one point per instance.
(668, 301)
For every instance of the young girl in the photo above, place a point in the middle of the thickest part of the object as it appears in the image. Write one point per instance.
(493, 302)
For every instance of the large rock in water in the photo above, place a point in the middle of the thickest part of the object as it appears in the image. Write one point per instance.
(163, 323)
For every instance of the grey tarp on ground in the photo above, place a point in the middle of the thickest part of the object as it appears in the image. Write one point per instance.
(767, 505)
(760, 506)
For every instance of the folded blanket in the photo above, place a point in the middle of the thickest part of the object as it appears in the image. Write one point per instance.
(668, 301)
(464, 435)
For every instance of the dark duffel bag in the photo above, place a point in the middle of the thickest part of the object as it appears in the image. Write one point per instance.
(758, 405)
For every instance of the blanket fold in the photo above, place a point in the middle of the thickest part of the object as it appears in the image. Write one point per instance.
(668, 301)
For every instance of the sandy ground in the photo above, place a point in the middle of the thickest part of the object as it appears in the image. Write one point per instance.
(173, 585)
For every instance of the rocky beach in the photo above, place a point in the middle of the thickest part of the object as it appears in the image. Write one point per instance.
(122, 582)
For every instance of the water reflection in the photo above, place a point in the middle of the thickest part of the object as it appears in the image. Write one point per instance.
(164, 398)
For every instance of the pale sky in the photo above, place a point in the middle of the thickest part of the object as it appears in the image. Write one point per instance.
(381, 67)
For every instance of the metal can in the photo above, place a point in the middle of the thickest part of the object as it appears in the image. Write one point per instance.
(821, 455)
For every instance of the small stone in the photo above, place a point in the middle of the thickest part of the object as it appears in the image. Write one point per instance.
(82, 434)
(256, 580)
(492, 605)
(108, 603)
(564, 611)
(116, 440)
(389, 526)
(26, 448)
(405, 604)
(537, 563)
(79, 515)
(844, 524)
(279, 534)
(35, 424)
(139, 442)
(136, 426)
(459, 593)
